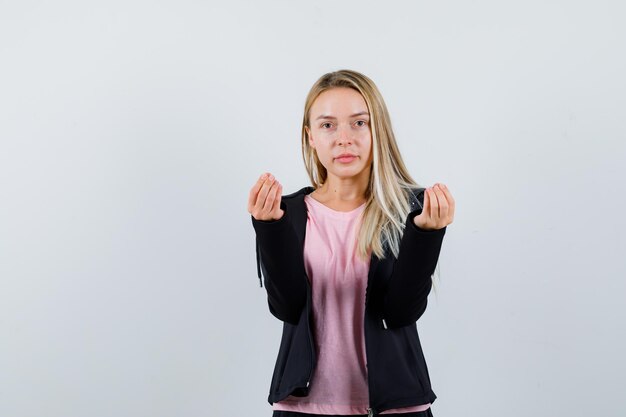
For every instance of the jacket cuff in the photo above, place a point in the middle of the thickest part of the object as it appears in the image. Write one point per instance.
(410, 224)
(269, 225)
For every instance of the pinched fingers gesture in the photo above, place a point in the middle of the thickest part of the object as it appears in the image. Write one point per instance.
(438, 210)
(264, 199)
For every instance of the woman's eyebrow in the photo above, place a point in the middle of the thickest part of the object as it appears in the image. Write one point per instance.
(324, 116)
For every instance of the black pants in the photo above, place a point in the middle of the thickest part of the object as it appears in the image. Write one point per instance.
(279, 413)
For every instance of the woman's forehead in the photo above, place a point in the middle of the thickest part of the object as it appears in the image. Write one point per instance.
(338, 103)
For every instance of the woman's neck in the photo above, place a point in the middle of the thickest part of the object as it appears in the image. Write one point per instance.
(342, 193)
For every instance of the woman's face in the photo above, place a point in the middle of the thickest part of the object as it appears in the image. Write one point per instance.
(340, 124)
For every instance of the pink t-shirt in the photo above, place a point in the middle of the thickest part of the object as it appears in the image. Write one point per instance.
(338, 279)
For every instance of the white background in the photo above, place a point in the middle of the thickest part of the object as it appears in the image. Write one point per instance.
(132, 131)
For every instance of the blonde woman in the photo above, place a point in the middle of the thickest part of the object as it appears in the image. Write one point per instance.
(348, 262)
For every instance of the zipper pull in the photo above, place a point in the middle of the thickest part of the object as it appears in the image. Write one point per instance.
(384, 324)
(370, 412)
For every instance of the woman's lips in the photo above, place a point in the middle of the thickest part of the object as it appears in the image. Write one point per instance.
(346, 159)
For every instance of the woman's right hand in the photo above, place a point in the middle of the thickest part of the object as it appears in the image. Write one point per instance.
(264, 199)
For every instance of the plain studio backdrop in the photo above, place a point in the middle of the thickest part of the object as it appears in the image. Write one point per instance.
(132, 131)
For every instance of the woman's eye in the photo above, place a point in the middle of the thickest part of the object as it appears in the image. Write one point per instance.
(324, 124)
(361, 121)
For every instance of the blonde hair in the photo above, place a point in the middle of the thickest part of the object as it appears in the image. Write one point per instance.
(389, 186)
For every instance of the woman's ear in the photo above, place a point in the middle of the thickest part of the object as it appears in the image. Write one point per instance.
(308, 133)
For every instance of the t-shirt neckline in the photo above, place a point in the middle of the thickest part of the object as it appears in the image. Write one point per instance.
(333, 211)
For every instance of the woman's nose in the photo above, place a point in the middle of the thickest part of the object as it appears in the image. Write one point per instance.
(344, 135)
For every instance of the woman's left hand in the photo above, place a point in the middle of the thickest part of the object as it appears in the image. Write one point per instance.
(438, 211)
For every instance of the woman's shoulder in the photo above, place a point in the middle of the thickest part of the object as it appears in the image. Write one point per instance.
(300, 193)
(416, 196)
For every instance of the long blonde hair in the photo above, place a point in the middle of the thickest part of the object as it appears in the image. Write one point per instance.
(389, 185)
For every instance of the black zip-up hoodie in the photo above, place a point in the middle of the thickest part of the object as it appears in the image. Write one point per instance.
(396, 297)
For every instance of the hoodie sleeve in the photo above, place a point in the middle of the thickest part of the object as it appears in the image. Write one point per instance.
(280, 258)
(411, 278)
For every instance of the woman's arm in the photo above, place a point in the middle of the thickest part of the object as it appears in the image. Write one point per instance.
(278, 250)
(282, 264)
(411, 279)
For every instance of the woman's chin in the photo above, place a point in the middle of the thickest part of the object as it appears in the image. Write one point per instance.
(348, 173)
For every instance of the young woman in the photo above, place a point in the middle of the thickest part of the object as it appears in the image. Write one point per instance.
(348, 262)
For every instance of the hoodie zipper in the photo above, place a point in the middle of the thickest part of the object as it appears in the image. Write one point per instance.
(309, 310)
(370, 410)
(309, 317)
